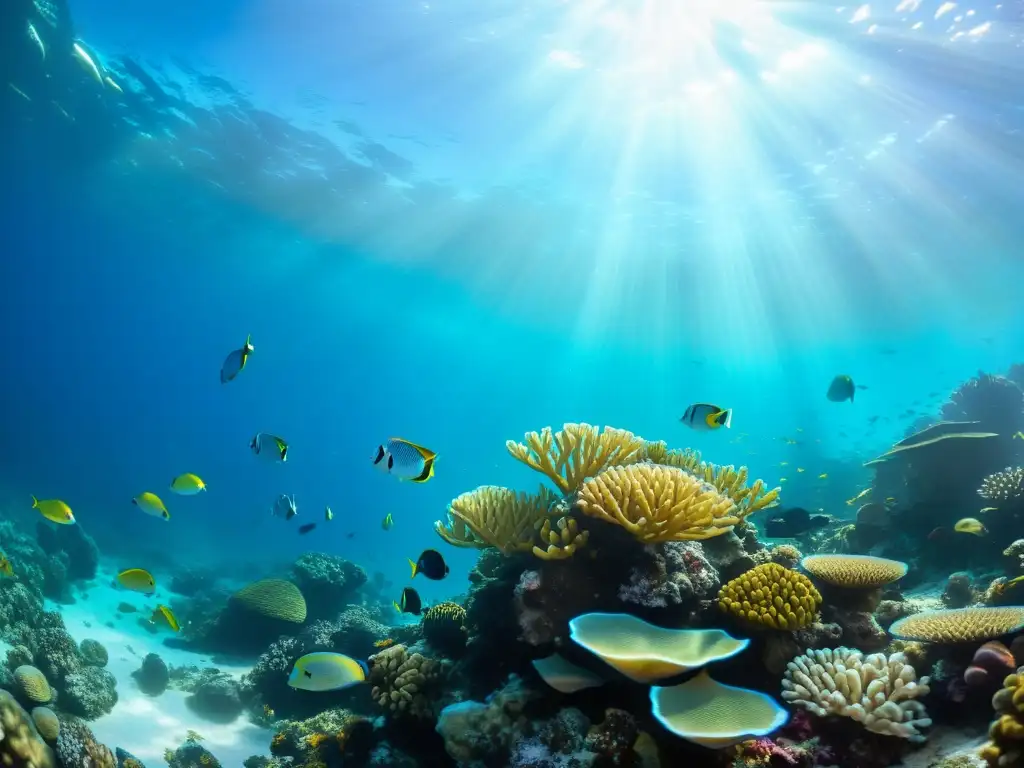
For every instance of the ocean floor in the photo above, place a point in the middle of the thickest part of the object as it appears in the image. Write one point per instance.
(146, 725)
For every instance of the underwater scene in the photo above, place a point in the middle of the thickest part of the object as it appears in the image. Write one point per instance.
(512, 384)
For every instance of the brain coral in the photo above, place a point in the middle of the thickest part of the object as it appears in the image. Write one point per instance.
(32, 683)
(876, 690)
(46, 722)
(20, 745)
(274, 598)
(399, 681)
(959, 625)
(773, 596)
(854, 571)
(1007, 731)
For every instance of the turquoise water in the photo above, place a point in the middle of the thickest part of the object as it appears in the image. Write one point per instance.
(455, 223)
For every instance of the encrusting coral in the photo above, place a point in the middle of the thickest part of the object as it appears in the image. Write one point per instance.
(876, 690)
(657, 503)
(33, 684)
(400, 681)
(576, 452)
(959, 625)
(1003, 486)
(771, 596)
(1006, 748)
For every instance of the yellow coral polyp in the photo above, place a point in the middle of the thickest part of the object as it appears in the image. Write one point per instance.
(772, 596)
(657, 503)
(728, 480)
(562, 541)
(1007, 731)
(316, 740)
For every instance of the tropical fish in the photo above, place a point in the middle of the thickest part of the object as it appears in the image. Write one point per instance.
(269, 447)
(387, 642)
(842, 388)
(388, 522)
(431, 564)
(789, 441)
(326, 671)
(151, 504)
(328, 515)
(285, 507)
(187, 484)
(858, 497)
(405, 460)
(793, 522)
(86, 61)
(705, 417)
(137, 580)
(936, 533)
(54, 510)
(303, 529)
(235, 362)
(1019, 435)
(783, 479)
(409, 602)
(823, 476)
(5, 566)
(783, 463)
(800, 470)
(970, 525)
(165, 615)
(33, 35)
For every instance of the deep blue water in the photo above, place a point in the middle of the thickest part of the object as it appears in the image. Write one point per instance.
(456, 222)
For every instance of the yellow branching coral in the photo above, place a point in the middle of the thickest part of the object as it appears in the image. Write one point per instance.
(728, 480)
(959, 625)
(657, 503)
(577, 452)
(562, 541)
(491, 516)
(772, 596)
(1007, 731)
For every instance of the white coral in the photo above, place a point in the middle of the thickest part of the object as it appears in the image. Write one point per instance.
(875, 690)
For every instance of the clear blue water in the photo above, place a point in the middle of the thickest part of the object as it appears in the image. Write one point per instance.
(455, 222)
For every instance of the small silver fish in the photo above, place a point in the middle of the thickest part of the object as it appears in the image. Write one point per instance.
(285, 507)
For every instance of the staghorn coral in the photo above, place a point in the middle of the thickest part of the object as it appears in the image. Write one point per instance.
(959, 625)
(772, 596)
(273, 598)
(577, 452)
(728, 480)
(401, 681)
(1003, 486)
(876, 690)
(32, 684)
(1006, 748)
(444, 628)
(20, 745)
(657, 503)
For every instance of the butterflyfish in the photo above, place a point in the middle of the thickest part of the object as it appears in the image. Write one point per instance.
(269, 447)
(285, 507)
(235, 362)
(151, 504)
(187, 484)
(326, 671)
(431, 564)
(54, 510)
(970, 525)
(137, 580)
(405, 460)
(165, 615)
(409, 602)
(388, 522)
(707, 417)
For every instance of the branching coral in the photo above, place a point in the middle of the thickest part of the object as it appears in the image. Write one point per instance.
(1003, 486)
(772, 596)
(876, 690)
(728, 480)
(492, 516)
(400, 681)
(1007, 732)
(577, 452)
(657, 503)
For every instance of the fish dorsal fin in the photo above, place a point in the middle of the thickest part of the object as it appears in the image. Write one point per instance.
(425, 453)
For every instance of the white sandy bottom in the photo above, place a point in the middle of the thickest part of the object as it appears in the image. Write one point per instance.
(145, 725)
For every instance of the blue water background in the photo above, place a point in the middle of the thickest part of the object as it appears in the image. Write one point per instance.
(125, 285)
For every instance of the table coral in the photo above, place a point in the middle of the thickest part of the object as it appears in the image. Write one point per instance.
(401, 682)
(854, 571)
(879, 691)
(959, 625)
(1006, 749)
(772, 596)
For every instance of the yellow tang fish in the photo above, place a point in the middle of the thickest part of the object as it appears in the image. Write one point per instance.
(163, 613)
(823, 476)
(970, 525)
(5, 566)
(387, 522)
(54, 510)
(187, 484)
(137, 580)
(151, 504)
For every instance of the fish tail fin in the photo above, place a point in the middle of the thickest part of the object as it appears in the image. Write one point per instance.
(428, 470)
(364, 666)
(415, 570)
(35, 502)
(248, 342)
(724, 419)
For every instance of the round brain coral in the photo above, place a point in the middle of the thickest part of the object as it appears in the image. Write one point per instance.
(772, 596)
(46, 723)
(32, 684)
(959, 625)
(854, 571)
(274, 598)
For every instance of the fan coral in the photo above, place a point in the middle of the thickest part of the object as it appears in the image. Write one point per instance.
(444, 627)
(772, 596)
(32, 684)
(959, 625)
(1007, 732)
(1003, 486)
(854, 571)
(400, 679)
(274, 598)
(577, 452)
(876, 690)
(20, 745)
(657, 503)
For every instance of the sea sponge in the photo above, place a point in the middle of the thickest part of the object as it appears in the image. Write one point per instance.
(1003, 486)
(644, 652)
(46, 723)
(876, 690)
(492, 516)
(959, 625)
(577, 452)
(1007, 732)
(657, 503)
(772, 596)
(20, 745)
(273, 598)
(444, 627)
(400, 681)
(854, 571)
(32, 684)
(715, 715)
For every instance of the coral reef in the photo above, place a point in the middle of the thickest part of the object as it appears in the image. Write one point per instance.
(32, 684)
(1006, 748)
(89, 693)
(959, 625)
(444, 628)
(216, 698)
(402, 682)
(93, 653)
(46, 723)
(327, 582)
(771, 596)
(77, 746)
(20, 744)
